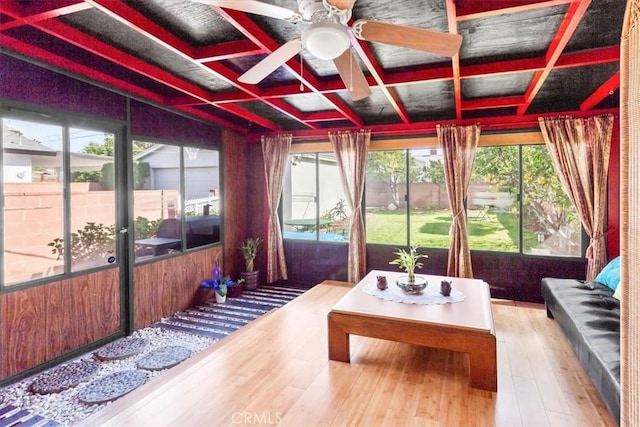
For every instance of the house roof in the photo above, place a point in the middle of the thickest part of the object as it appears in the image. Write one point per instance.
(14, 141)
(518, 59)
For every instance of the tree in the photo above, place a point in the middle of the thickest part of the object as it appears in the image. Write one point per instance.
(391, 167)
(433, 172)
(545, 203)
(106, 148)
(100, 149)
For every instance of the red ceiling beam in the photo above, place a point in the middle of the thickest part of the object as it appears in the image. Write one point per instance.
(418, 76)
(105, 79)
(429, 128)
(228, 50)
(567, 27)
(500, 102)
(473, 9)
(133, 19)
(227, 74)
(602, 92)
(89, 43)
(323, 116)
(589, 57)
(36, 13)
(130, 17)
(575, 59)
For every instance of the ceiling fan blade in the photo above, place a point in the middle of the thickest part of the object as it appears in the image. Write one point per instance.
(255, 7)
(444, 44)
(342, 4)
(352, 75)
(269, 64)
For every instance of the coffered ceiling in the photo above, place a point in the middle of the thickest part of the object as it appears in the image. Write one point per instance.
(518, 59)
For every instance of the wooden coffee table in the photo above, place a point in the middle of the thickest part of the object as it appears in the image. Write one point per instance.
(465, 326)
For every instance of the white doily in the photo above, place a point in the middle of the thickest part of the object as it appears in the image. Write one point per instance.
(430, 295)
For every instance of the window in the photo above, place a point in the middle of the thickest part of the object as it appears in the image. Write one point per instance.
(313, 202)
(46, 233)
(550, 222)
(32, 168)
(541, 222)
(429, 215)
(201, 196)
(164, 206)
(92, 201)
(492, 200)
(385, 191)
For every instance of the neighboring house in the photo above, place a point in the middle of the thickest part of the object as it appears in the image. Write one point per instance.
(201, 170)
(20, 155)
(28, 160)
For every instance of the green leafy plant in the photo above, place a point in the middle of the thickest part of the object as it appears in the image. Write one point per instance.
(249, 251)
(145, 228)
(338, 212)
(409, 261)
(91, 242)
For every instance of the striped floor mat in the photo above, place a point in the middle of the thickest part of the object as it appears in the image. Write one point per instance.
(12, 416)
(219, 320)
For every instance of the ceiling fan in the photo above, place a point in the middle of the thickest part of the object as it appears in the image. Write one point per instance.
(327, 37)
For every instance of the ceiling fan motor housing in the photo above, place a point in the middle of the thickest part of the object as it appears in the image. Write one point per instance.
(326, 40)
(308, 8)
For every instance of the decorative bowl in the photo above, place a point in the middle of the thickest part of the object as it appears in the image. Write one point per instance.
(415, 287)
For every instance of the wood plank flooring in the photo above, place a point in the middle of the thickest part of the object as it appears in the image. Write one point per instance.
(276, 372)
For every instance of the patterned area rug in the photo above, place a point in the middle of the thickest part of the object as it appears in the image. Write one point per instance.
(219, 320)
(13, 416)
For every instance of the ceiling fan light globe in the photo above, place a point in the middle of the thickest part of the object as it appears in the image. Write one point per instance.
(326, 40)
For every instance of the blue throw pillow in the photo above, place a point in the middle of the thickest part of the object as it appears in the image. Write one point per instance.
(610, 274)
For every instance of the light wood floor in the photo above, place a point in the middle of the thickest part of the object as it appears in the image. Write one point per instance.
(276, 372)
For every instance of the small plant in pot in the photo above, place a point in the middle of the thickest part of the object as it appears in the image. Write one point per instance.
(219, 284)
(409, 261)
(249, 249)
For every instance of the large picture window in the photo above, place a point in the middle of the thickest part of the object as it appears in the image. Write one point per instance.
(406, 202)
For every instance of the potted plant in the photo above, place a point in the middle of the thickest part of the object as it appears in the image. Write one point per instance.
(219, 284)
(235, 291)
(249, 249)
(409, 261)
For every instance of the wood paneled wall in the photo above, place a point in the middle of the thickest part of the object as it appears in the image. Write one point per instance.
(244, 200)
(40, 323)
(164, 287)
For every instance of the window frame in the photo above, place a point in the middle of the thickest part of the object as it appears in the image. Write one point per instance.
(183, 229)
(66, 122)
(496, 138)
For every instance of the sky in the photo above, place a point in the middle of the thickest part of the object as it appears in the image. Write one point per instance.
(51, 136)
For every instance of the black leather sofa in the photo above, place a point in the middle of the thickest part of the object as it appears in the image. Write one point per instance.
(589, 316)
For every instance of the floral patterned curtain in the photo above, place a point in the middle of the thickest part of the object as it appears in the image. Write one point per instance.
(275, 150)
(351, 150)
(579, 149)
(459, 147)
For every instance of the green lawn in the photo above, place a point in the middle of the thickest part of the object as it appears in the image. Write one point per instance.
(493, 232)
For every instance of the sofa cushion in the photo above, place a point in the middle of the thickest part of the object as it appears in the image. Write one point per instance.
(610, 274)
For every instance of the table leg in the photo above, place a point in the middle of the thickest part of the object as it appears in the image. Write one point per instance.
(483, 366)
(338, 341)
